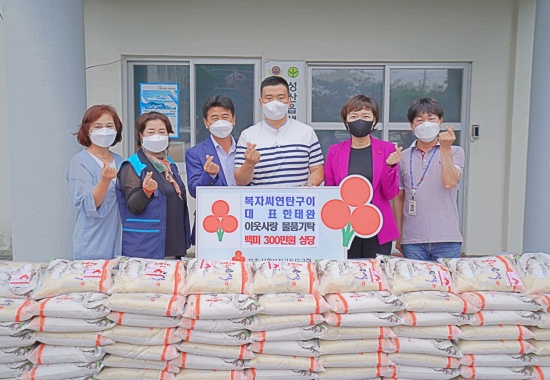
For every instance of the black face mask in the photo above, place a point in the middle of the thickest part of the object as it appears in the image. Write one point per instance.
(360, 128)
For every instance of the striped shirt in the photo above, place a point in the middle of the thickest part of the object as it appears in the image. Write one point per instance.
(286, 153)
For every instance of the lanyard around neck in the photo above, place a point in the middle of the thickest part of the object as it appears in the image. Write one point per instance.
(413, 187)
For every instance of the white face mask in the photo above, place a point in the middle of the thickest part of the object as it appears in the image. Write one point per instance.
(155, 143)
(427, 131)
(275, 110)
(103, 137)
(221, 128)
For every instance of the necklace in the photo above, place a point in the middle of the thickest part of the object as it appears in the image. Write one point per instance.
(100, 156)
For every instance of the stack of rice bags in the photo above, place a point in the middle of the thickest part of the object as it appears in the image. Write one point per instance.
(70, 315)
(496, 344)
(290, 320)
(216, 320)
(534, 272)
(18, 281)
(425, 343)
(146, 304)
(359, 336)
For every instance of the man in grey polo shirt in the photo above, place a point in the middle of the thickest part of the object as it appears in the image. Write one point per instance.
(426, 209)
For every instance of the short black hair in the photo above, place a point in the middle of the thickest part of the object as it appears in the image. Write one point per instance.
(223, 101)
(274, 81)
(422, 106)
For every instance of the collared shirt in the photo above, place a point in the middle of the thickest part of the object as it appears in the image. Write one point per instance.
(286, 152)
(227, 160)
(436, 219)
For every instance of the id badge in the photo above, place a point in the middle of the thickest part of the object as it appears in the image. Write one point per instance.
(412, 207)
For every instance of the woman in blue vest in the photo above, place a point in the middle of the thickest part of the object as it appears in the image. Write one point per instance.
(92, 176)
(151, 195)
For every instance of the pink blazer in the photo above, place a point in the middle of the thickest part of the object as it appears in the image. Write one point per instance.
(385, 181)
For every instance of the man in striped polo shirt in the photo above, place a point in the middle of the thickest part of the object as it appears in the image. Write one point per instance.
(278, 151)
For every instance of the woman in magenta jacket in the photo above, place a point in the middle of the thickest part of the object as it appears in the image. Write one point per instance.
(373, 159)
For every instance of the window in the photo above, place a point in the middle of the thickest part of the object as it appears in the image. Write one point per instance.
(197, 81)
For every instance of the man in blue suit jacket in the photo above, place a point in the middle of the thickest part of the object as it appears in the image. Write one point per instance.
(212, 162)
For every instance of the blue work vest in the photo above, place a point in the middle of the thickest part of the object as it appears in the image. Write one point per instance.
(144, 235)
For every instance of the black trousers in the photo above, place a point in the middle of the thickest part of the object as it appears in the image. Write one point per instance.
(362, 248)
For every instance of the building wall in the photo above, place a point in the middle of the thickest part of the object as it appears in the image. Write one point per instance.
(5, 192)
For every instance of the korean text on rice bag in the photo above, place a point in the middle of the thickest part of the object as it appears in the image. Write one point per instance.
(285, 277)
(345, 276)
(66, 276)
(406, 275)
(19, 279)
(534, 271)
(137, 275)
(212, 276)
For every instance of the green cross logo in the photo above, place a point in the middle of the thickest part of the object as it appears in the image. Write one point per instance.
(293, 72)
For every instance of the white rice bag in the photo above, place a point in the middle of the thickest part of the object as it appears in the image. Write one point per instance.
(293, 333)
(414, 372)
(543, 300)
(496, 332)
(212, 374)
(84, 339)
(496, 360)
(500, 373)
(144, 336)
(133, 351)
(366, 359)
(185, 360)
(362, 319)
(16, 310)
(429, 332)
(23, 339)
(534, 271)
(284, 362)
(305, 348)
(15, 369)
(423, 360)
(216, 350)
(434, 302)
(439, 347)
(141, 320)
(329, 347)
(73, 305)
(539, 334)
(48, 354)
(219, 325)
(138, 275)
(543, 361)
(411, 318)
(284, 277)
(277, 322)
(221, 306)
(367, 373)
(292, 303)
(212, 276)
(78, 276)
(164, 305)
(11, 328)
(346, 276)
(62, 371)
(366, 302)
(286, 374)
(501, 301)
(14, 354)
(489, 273)
(113, 373)
(502, 347)
(53, 324)
(19, 279)
(347, 333)
(407, 275)
(542, 347)
(498, 317)
(230, 338)
(120, 362)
